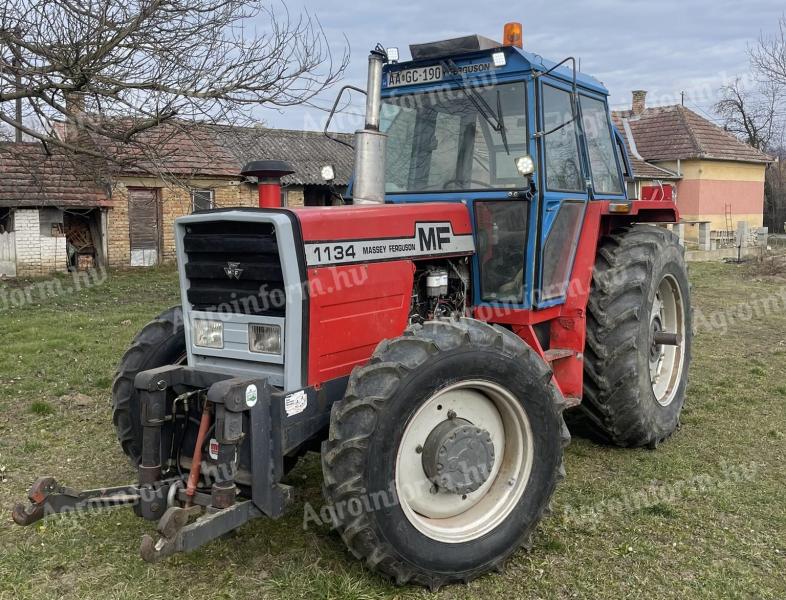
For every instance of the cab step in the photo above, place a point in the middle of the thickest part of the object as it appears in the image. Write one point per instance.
(554, 354)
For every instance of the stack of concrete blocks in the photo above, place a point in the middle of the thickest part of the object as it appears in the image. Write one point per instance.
(751, 237)
(679, 230)
(760, 236)
(704, 236)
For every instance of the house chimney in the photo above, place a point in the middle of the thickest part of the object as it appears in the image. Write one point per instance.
(75, 109)
(639, 101)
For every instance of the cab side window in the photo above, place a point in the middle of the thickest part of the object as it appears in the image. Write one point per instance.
(600, 146)
(502, 240)
(563, 170)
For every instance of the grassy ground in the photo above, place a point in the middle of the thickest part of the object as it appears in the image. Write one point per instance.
(702, 516)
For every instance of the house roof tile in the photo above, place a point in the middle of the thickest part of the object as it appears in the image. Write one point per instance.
(676, 132)
(31, 177)
(180, 148)
(194, 149)
(641, 168)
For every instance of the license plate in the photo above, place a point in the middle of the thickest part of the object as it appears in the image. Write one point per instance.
(434, 73)
(415, 76)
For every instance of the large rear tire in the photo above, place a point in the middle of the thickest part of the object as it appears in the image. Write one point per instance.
(634, 388)
(160, 343)
(444, 452)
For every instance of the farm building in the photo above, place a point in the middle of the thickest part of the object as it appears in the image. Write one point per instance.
(716, 178)
(59, 213)
(52, 212)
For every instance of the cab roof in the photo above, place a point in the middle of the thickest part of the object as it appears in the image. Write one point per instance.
(471, 46)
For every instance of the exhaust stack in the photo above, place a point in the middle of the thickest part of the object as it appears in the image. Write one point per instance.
(369, 184)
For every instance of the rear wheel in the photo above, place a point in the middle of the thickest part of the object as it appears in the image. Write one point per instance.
(444, 453)
(638, 339)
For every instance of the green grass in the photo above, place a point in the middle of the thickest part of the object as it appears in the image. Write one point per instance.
(40, 407)
(703, 516)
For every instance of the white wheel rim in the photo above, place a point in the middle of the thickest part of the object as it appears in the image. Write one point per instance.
(454, 518)
(665, 361)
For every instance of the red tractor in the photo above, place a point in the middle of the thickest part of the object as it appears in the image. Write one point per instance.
(490, 277)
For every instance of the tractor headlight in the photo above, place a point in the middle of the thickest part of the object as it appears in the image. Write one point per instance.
(265, 339)
(208, 334)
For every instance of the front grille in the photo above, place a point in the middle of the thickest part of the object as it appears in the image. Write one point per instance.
(234, 267)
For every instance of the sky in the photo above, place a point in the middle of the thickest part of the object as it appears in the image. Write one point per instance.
(664, 46)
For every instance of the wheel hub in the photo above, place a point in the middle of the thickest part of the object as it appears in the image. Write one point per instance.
(667, 322)
(458, 457)
(655, 348)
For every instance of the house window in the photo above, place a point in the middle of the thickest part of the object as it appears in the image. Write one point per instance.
(202, 200)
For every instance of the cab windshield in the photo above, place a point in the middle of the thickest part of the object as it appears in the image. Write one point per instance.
(439, 140)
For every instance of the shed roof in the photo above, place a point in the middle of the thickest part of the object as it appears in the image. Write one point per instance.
(31, 177)
(307, 151)
(181, 148)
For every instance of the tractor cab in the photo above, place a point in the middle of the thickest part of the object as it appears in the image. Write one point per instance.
(524, 142)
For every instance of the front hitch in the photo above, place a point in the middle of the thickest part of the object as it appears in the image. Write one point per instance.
(241, 410)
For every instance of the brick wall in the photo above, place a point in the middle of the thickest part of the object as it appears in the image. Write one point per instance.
(295, 196)
(117, 241)
(175, 202)
(54, 256)
(28, 247)
(36, 255)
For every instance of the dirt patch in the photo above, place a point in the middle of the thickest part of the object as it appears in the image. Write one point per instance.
(769, 266)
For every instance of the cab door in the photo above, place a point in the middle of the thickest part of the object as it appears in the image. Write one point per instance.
(563, 188)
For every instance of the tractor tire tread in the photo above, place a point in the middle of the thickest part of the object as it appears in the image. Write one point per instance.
(353, 422)
(153, 336)
(610, 411)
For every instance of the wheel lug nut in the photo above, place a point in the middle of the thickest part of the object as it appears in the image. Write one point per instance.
(451, 414)
(419, 449)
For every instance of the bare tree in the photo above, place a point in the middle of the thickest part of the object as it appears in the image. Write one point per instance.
(755, 112)
(775, 191)
(769, 55)
(752, 115)
(119, 72)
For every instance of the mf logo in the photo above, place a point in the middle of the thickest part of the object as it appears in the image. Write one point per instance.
(233, 270)
(433, 237)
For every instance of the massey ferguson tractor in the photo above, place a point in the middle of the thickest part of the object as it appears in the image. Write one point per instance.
(490, 277)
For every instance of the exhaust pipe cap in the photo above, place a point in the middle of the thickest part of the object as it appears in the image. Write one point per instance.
(267, 168)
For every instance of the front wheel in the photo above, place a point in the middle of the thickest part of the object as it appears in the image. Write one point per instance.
(160, 343)
(444, 453)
